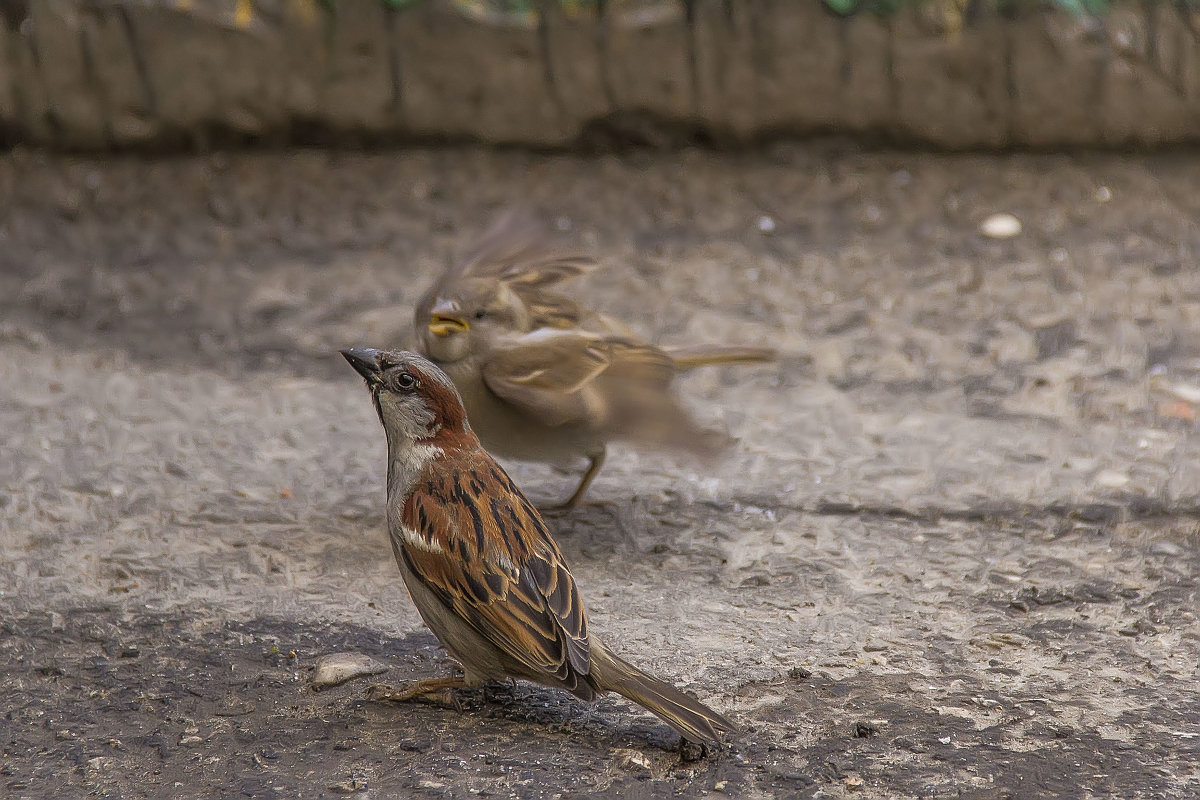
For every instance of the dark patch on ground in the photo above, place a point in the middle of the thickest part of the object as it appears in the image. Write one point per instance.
(119, 708)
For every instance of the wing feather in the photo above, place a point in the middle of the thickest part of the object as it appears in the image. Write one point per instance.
(609, 384)
(513, 589)
(516, 250)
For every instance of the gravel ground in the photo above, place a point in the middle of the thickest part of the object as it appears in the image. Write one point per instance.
(954, 554)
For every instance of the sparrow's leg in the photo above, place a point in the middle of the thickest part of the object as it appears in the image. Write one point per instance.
(429, 688)
(595, 462)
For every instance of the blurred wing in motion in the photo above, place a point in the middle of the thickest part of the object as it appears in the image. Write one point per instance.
(517, 251)
(619, 388)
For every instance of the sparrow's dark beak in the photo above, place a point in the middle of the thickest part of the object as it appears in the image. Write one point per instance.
(366, 361)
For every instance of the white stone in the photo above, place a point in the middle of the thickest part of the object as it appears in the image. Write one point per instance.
(338, 668)
(1000, 226)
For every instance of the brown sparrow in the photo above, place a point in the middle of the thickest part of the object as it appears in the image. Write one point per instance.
(544, 378)
(480, 565)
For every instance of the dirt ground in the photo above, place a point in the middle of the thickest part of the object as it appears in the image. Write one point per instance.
(955, 553)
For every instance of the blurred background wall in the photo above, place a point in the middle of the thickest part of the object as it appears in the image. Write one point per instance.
(959, 74)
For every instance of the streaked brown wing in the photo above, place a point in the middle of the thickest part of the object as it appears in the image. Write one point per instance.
(536, 271)
(568, 378)
(514, 590)
(554, 310)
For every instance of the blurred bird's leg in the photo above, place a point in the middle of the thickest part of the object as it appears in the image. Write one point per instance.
(595, 462)
(430, 689)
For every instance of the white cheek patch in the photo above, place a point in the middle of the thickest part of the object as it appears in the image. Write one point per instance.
(390, 405)
(405, 415)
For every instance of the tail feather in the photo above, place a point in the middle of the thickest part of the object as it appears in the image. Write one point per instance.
(705, 355)
(689, 717)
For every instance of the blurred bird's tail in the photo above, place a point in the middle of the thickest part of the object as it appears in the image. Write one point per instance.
(689, 717)
(704, 355)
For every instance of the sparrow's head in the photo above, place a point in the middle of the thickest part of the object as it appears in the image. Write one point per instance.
(465, 318)
(415, 400)
(500, 287)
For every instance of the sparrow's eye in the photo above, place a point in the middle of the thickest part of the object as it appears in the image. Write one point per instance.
(481, 313)
(405, 381)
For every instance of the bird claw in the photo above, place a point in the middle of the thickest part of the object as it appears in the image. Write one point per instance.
(446, 698)
(438, 691)
(378, 693)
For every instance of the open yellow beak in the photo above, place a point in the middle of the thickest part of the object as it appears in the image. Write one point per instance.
(441, 325)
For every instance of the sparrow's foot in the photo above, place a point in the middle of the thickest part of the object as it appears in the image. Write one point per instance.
(595, 461)
(439, 691)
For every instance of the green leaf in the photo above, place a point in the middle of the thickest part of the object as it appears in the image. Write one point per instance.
(843, 7)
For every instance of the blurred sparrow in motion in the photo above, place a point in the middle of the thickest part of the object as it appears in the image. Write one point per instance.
(544, 378)
(479, 563)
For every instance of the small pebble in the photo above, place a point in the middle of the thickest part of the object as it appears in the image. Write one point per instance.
(864, 729)
(1111, 478)
(633, 761)
(691, 751)
(1000, 226)
(336, 669)
(765, 224)
(352, 786)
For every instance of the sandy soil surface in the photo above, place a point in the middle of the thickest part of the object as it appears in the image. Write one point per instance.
(954, 555)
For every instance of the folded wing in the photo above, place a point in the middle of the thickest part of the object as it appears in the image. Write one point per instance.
(615, 386)
(523, 601)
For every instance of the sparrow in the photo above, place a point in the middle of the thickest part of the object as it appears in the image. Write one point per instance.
(479, 563)
(546, 379)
